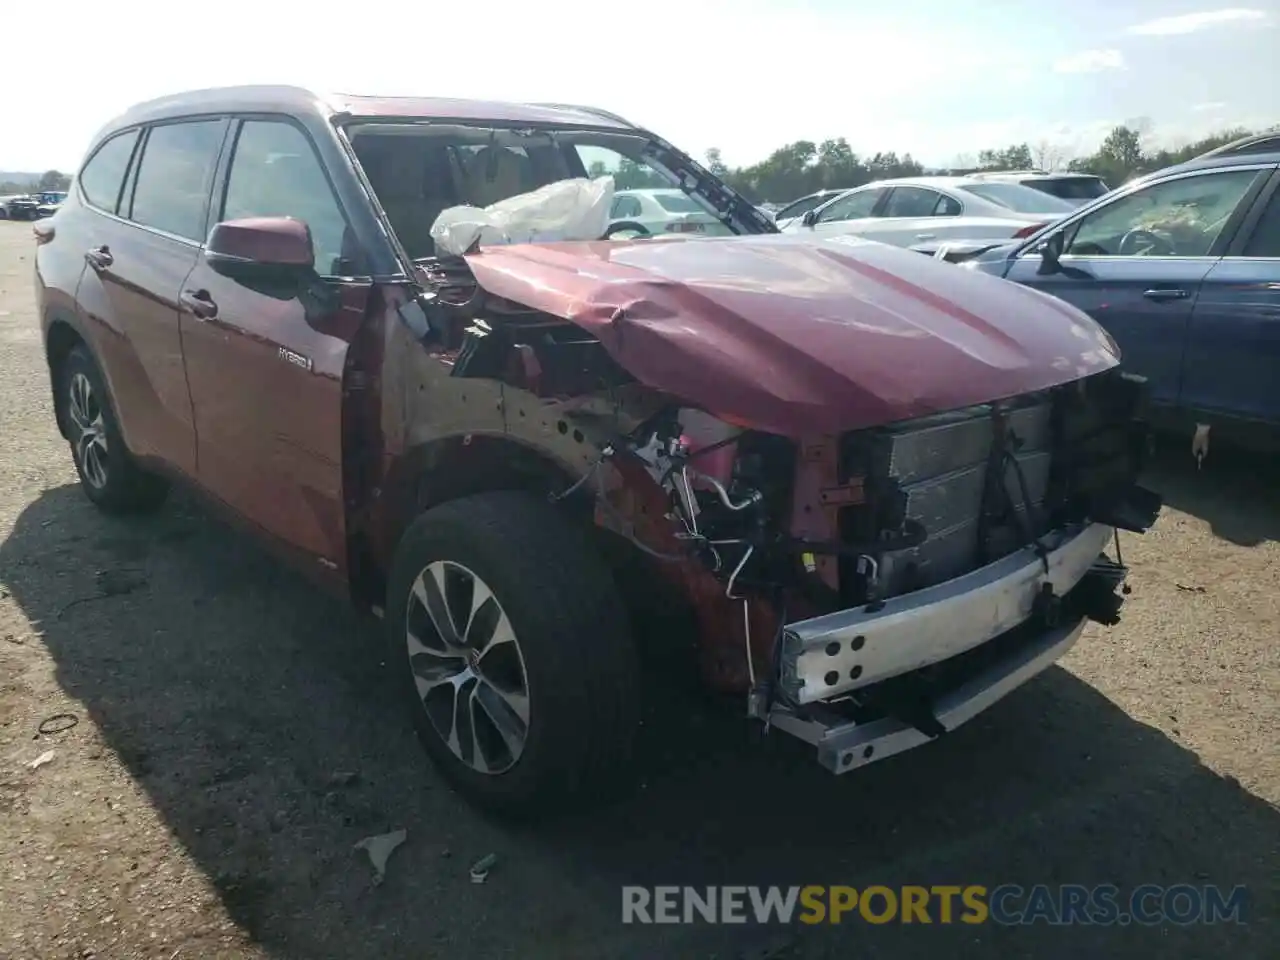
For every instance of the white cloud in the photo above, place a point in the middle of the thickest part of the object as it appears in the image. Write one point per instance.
(1090, 61)
(1213, 106)
(1192, 22)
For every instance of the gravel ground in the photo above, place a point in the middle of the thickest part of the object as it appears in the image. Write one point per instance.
(235, 738)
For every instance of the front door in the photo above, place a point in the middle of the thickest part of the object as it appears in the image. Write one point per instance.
(266, 365)
(1136, 265)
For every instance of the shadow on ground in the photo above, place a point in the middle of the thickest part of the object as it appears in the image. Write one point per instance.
(1235, 491)
(234, 692)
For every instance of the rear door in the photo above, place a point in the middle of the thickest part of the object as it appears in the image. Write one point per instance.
(1232, 362)
(912, 215)
(1136, 265)
(139, 250)
(266, 365)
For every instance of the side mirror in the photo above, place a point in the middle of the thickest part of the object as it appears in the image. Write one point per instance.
(810, 218)
(1051, 255)
(261, 249)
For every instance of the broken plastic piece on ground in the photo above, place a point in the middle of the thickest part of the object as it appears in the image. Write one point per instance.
(380, 848)
(40, 761)
(480, 869)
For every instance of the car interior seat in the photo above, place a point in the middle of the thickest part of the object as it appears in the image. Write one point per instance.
(496, 173)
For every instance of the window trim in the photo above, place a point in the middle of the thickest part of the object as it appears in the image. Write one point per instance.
(222, 179)
(131, 178)
(1230, 230)
(83, 197)
(1249, 224)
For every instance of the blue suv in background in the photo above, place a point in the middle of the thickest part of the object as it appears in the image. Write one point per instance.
(1182, 268)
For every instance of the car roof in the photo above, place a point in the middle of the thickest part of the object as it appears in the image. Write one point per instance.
(1033, 175)
(296, 100)
(1220, 161)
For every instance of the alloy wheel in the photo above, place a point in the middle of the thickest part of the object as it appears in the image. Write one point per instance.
(91, 438)
(468, 667)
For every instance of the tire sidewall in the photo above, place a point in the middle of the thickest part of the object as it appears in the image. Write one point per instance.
(554, 705)
(115, 489)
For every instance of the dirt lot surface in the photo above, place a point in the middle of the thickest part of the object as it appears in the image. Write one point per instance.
(234, 737)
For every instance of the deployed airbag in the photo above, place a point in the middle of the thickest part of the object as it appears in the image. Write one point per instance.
(576, 209)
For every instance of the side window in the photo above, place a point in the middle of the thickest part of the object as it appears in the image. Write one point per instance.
(625, 207)
(947, 207)
(852, 207)
(173, 179)
(628, 174)
(912, 202)
(102, 176)
(275, 173)
(1176, 218)
(1265, 241)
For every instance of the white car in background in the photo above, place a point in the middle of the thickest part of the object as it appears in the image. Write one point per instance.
(642, 213)
(910, 211)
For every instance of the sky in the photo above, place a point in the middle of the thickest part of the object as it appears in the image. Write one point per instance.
(940, 80)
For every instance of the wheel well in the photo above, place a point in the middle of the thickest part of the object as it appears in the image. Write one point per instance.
(62, 339)
(448, 470)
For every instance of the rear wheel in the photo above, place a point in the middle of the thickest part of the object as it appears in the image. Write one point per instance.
(513, 649)
(109, 475)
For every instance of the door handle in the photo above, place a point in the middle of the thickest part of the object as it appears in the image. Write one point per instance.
(1165, 294)
(926, 236)
(199, 304)
(99, 257)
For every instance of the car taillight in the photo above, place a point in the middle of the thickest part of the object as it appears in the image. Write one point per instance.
(1029, 230)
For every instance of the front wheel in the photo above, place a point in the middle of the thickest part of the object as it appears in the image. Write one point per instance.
(512, 647)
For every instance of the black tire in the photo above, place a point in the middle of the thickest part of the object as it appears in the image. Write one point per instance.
(574, 641)
(127, 487)
(621, 225)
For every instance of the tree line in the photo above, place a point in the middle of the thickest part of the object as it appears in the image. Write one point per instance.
(49, 180)
(804, 167)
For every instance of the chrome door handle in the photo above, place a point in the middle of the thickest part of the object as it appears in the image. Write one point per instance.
(1163, 294)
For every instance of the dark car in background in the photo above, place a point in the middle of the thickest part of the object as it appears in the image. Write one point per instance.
(19, 207)
(1182, 268)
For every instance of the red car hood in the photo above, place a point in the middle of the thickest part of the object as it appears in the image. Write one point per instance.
(798, 336)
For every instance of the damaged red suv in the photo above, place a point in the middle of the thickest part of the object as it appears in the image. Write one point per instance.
(882, 489)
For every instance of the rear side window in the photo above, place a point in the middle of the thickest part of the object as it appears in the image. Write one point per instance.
(912, 202)
(275, 173)
(1070, 188)
(173, 180)
(102, 176)
(1265, 241)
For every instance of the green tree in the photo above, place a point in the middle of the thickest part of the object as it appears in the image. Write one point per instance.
(715, 163)
(1014, 157)
(53, 180)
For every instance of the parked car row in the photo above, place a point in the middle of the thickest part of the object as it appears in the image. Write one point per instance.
(1181, 267)
(911, 210)
(31, 206)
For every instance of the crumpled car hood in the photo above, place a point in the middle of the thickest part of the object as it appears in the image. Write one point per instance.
(801, 336)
